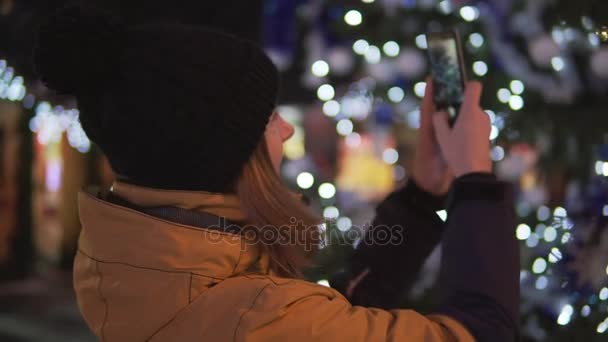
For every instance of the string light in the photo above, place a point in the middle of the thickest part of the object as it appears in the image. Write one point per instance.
(421, 41)
(344, 127)
(331, 108)
(516, 102)
(396, 94)
(497, 153)
(541, 283)
(331, 213)
(494, 132)
(353, 140)
(390, 156)
(372, 55)
(326, 92)
(517, 87)
(523, 232)
(565, 315)
(320, 68)
(327, 190)
(539, 266)
(344, 224)
(550, 234)
(360, 46)
(543, 213)
(305, 180)
(504, 95)
(391, 49)
(558, 63)
(480, 68)
(353, 18)
(469, 13)
(420, 89)
(476, 40)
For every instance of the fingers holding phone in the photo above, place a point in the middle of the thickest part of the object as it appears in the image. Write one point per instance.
(466, 145)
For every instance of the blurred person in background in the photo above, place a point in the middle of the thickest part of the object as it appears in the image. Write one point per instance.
(198, 239)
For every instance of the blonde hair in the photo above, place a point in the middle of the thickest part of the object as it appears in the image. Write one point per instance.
(273, 210)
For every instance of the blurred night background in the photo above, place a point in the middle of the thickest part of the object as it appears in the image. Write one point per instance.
(352, 80)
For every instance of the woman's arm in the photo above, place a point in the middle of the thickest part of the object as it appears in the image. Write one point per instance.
(380, 273)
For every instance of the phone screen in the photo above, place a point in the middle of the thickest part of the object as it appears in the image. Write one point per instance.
(447, 71)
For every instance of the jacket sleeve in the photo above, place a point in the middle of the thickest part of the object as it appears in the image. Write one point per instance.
(386, 262)
(479, 279)
(294, 310)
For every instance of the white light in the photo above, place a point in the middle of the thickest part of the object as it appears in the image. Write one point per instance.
(443, 215)
(331, 213)
(605, 210)
(602, 327)
(543, 213)
(604, 293)
(396, 94)
(420, 89)
(476, 40)
(331, 108)
(413, 119)
(560, 212)
(353, 140)
(469, 13)
(585, 311)
(390, 156)
(498, 153)
(532, 241)
(344, 127)
(391, 48)
(368, 1)
(360, 46)
(327, 190)
(516, 102)
(566, 238)
(605, 169)
(305, 180)
(344, 224)
(504, 95)
(491, 114)
(594, 39)
(494, 132)
(372, 55)
(555, 255)
(539, 266)
(421, 41)
(480, 68)
(558, 63)
(599, 165)
(541, 283)
(445, 7)
(320, 68)
(353, 18)
(550, 234)
(517, 87)
(523, 232)
(326, 92)
(565, 315)
(323, 282)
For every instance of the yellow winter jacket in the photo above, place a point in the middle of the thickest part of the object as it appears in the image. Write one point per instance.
(141, 278)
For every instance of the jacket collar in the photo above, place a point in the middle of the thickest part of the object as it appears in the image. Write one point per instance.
(112, 233)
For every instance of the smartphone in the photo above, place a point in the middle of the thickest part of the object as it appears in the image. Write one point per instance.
(447, 69)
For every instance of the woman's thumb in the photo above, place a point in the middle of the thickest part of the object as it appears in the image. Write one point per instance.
(442, 128)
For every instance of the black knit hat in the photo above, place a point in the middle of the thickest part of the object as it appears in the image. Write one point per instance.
(172, 106)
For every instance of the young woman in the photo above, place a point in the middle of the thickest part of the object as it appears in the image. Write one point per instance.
(198, 240)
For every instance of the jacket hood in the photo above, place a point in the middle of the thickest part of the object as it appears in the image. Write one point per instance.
(135, 268)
